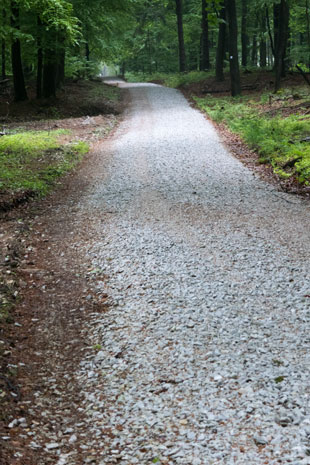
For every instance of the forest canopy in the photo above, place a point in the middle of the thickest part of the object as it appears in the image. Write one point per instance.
(47, 40)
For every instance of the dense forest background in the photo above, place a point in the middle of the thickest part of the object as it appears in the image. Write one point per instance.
(50, 39)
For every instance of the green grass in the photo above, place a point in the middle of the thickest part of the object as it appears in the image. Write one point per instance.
(277, 139)
(169, 79)
(33, 161)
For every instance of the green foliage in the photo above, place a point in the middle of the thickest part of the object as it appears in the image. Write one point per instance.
(32, 161)
(278, 140)
(169, 79)
(79, 67)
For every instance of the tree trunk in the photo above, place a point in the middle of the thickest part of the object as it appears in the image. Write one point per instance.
(276, 21)
(39, 58)
(20, 92)
(263, 44)
(3, 59)
(60, 73)
(205, 53)
(244, 34)
(220, 51)
(3, 49)
(49, 73)
(254, 46)
(308, 30)
(269, 31)
(182, 57)
(281, 36)
(87, 52)
(233, 48)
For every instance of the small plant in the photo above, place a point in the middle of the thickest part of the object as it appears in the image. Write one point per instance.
(97, 347)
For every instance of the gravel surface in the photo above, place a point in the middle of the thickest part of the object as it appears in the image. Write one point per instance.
(203, 356)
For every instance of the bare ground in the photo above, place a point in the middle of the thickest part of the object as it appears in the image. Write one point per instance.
(27, 357)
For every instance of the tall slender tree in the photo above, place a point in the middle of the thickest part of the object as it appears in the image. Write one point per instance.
(281, 39)
(205, 52)
(233, 48)
(39, 57)
(244, 33)
(3, 48)
(182, 56)
(220, 50)
(262, 43)
(20, 92)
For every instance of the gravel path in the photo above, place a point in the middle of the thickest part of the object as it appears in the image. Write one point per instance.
(205, 353)
(203, 357)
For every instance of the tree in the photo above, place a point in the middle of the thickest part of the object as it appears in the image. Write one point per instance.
(281, 37)
(182, 56)
(233, 48)
(220, 51)
(205, 53)
(20, 92)
(244, 34)
(3, 47)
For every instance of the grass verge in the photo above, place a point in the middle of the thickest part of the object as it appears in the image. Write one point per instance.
(32, 161)
(282, 141)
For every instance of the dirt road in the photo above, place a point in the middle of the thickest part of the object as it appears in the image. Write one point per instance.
(169, 290)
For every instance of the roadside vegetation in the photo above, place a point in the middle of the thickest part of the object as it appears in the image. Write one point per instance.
(39, 143)
(32, 161)
(169, 79)
(276, 127)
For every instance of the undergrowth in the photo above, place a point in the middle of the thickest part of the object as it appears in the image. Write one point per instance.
(280, 141)
(32, 161)
(105, 91)
(169, 79)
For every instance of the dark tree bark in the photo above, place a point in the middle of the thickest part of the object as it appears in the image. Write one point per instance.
(269, 31)
(205, 52)
(39, 58)
(281, 36)
(308, 30)
(233, 48)
(20, 92)
(263, 44)
(3, 59)
(221, 45)
(87, 51)
(49, 73)
(254, 46)
(3, 49)
(182, 56)
(276, 23)
(244, 34)
(60, 73)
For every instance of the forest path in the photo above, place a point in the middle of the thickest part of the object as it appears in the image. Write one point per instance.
(195, 305)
